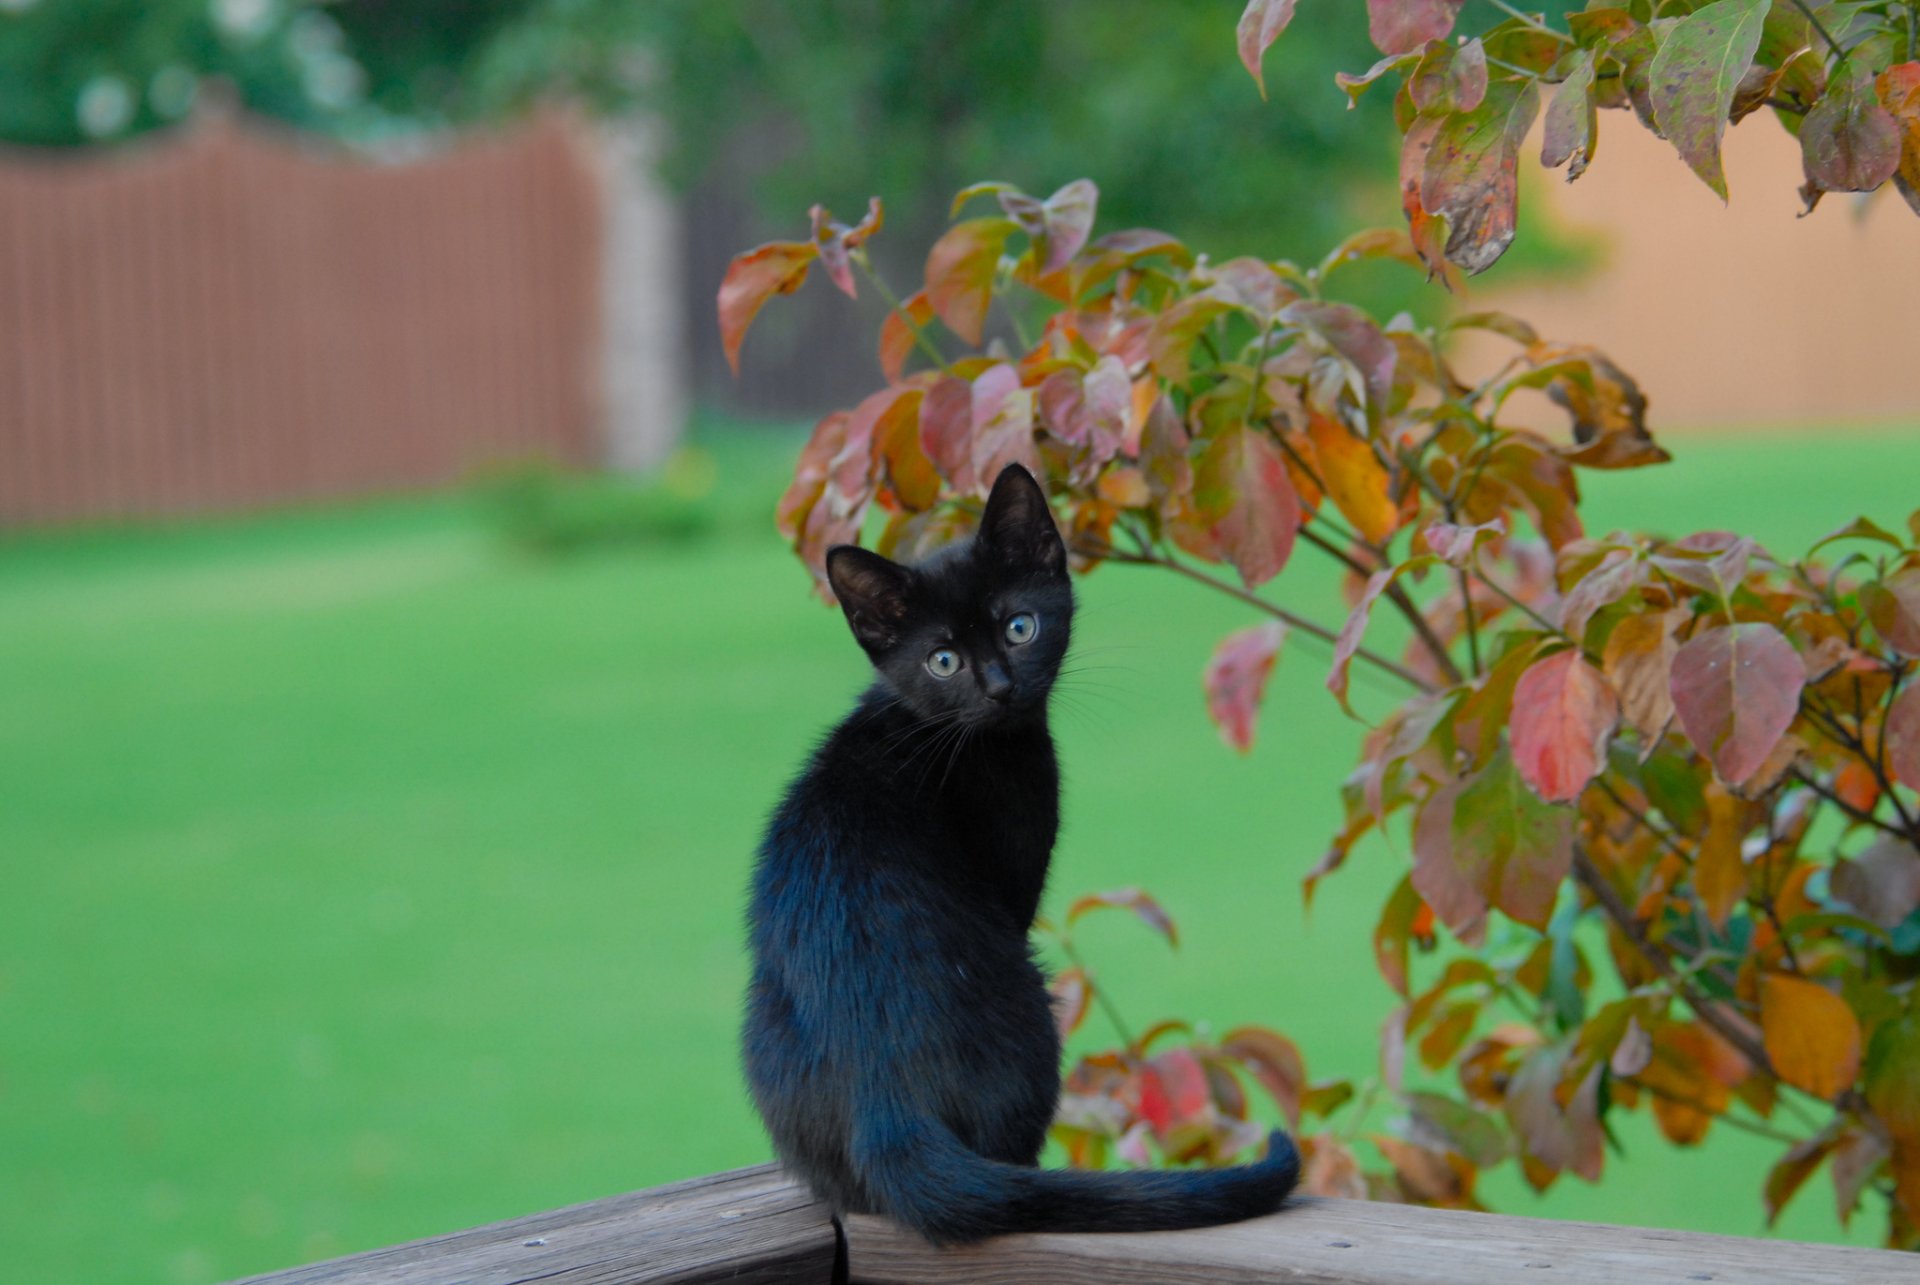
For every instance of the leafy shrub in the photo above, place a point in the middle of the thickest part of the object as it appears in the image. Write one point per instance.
(1662, 796)
(544, 509)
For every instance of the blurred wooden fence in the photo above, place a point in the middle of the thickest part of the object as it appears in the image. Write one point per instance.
(231, 317)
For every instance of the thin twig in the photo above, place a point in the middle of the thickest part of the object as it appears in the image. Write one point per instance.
(1397, 596)
(926, 345)
(1310, 627)
(1813, 18)
(1750, 1126)
(1529, 20)
(1709, 1012)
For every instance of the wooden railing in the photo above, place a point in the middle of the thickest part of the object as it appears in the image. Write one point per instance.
(755, 1227)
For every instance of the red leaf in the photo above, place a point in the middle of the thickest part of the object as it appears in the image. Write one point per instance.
(1455, 545)
(1347, 642)
(1260, 26)
(1488, 840)
(1564, 713)
(1893, 605)
(835, 239)
(1695, 75)
(1400, 26)
(1002, 418)
(1737, 689)
(1849, 142)
(1352, 336)
(1242, 490)
(1237, 677)
(1471, 175)
(896, 335)
(946, 431)
(960, 272)
(1173, 1089)
(1903, 737)
(1275, 1061)
(1067, 217)
(778, 267)
(1149, 910)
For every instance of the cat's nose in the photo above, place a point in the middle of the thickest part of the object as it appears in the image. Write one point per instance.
(995, 682)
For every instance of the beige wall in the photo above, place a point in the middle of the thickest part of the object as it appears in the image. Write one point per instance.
(1738, 314)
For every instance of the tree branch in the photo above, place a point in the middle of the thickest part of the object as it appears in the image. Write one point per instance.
(1310, 627)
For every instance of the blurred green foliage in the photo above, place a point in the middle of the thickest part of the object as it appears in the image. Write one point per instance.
(799, 100)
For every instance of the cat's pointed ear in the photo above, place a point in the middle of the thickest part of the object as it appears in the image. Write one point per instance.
(873, 593)
(1018, 525)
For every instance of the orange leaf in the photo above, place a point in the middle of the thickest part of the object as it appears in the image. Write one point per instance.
(960, 273)
(778, 267)
(1132, 899)
(1354, 477)
(1811, 1036)
(1639, 660)
(1719, 875)
(897, 335)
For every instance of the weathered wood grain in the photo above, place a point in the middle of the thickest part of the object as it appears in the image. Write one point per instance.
(748, 1227)
(1350, 1242)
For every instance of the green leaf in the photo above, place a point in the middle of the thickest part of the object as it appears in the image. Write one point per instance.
(1487, 840)
(1571, 125)
(1695, 74)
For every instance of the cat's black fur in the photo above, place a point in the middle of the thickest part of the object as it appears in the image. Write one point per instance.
(899, 1041)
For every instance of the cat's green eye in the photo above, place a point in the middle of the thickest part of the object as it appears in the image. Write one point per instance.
(944, 663)
(1023, 628)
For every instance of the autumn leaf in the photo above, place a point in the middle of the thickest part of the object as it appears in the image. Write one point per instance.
(779, 267)
(1072, 995)
(1060, 224)
(1719, 873)
(1173, 1089)
(1351, 335)
(1273, 1060)
(1347, 643)
(1242, 491)
(1695, 75)
(1903, 737)
(1555, 1136)
(897, 332)
(1487, 839)
(1882, 881)
(1140, 903)
(1571, 128)
(1400, 26)
(1236, 679)
(946, 431)
(1849, 142)
(1899, 88)
(1811, 1036)
(1617, 574)
(836, 240)
(1260, 26)
(1471, 173)
(1564, 713)
(1792, 1170)
(1393, 935)
(960, 273)
(1355, 479)
(1002, 420)
(1638, 659)
(1893, 605)
(1736, 689)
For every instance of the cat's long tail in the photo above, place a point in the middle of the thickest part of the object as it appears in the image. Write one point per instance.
(949, 1194)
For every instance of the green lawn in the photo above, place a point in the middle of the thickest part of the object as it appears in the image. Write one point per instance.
(367, 879)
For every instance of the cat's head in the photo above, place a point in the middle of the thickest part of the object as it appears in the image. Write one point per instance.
(975, 632)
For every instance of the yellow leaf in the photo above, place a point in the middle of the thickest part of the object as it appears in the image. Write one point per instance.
(1354, 478)
(1811, 1036)
(1719, 875)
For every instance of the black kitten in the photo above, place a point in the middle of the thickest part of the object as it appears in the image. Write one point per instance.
(899, 1041)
